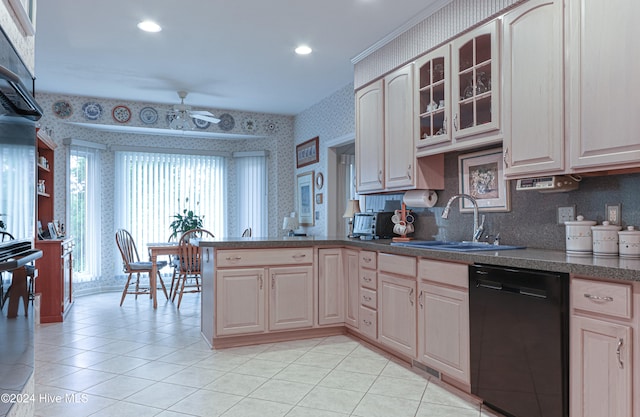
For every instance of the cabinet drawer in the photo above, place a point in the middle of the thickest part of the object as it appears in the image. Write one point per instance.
(263, 257)
(613, 299)
(368, 259)
(368, 298)
(368, 322)
(368, 279)
(397, 264)
(447, 273)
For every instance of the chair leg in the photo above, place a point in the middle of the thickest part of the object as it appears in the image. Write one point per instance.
(164, 289)
(126, 288)
(177, 289)
(173, 279)
(184, 281)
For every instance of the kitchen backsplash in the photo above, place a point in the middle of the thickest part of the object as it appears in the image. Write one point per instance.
(532, 221)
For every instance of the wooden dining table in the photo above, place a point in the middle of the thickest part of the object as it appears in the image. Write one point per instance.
(155, 250)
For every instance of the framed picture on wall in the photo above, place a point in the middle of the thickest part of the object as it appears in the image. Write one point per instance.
(305, 195)
(481, 175)
(307, 153)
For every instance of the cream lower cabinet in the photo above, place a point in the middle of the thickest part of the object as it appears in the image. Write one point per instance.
(263, 290)
(397, 303)
(602, 349)
(350, 260)
(443, 318)
(331, 287)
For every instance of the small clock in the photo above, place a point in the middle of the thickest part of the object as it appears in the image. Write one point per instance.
(121, 114)
(319, 181)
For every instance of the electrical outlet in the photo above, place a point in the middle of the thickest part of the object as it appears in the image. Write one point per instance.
(566, 214)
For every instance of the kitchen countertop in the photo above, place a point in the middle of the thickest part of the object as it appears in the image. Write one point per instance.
(532, 258)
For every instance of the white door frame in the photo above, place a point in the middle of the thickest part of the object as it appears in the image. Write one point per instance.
(331, 225)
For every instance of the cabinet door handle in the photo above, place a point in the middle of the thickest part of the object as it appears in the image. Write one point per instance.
(367, 279)
(299, 256)
(409, 171)
(261, 281)
(411, 296)
(444, 126)
(273, 281)
(366, 259)
(618, 349)
(233, 258)
(380, 176)
(366, 298)
(505, 154)
(207, 252)
(367, 322)
(606, 299)
(455, 122)
(420, 298)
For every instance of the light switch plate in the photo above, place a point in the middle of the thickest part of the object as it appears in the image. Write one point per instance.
(612, 213)
(566, 214)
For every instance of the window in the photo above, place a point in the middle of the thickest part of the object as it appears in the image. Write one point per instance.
(85, 212)
(152, 187)
(251, 171)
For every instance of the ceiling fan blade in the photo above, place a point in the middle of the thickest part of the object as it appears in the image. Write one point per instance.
(205, 117)
(202, 112)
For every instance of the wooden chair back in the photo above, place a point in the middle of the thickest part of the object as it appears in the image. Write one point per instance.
(128, 249)
(190, 255)
(6, 236)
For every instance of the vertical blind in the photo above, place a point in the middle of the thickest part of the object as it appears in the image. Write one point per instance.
(85, 211)
(152, 187)
(251, 172)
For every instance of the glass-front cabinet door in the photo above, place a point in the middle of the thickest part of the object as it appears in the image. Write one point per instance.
(476, 82)
(432, 98)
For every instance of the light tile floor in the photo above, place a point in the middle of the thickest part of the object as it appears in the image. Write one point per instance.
(106, 360)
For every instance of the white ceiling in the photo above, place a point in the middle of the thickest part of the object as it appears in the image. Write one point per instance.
(228, 54)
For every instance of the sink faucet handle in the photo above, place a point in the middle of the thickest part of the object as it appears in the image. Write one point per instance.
(496, 240)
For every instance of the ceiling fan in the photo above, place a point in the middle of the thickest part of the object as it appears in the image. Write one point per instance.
(181, 116)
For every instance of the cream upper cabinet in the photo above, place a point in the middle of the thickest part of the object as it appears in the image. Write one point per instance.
(399, 148)
(476, 82)
(602, 75)
(370, 138)
(532, 65)
(432, 98)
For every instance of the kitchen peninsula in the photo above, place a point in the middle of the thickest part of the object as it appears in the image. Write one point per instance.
(397, 298)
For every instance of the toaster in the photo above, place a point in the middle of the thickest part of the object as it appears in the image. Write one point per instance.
(376, 225)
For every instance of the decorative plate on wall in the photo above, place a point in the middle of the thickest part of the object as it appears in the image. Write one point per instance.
(121, 114)
(148, 115)
(92, 110)
(227, 122)
(201, 124)
(271, 126)
(249, 125)
(62, 109)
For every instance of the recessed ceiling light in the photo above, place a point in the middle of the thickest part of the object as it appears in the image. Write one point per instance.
(303, 50)
(149, 26)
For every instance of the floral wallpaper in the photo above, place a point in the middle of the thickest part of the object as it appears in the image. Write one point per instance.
(331, 118)
(273, 133)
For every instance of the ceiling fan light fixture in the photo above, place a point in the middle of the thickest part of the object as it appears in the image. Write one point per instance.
(303, 50)
(149, 26)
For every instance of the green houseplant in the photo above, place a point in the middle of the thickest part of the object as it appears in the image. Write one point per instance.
(182, 222)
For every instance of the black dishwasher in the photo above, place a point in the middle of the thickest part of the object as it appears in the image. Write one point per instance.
(519, 328)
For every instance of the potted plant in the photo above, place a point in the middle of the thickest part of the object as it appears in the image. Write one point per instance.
(187, 220)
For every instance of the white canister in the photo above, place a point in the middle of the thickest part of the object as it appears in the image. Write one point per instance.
(629, 242)
(578, 236)
(605, 239)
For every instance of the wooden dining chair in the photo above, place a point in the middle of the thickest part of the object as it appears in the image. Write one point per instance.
(190, 257)
(132, 265)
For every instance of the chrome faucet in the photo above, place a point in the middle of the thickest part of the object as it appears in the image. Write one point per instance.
(477, 229)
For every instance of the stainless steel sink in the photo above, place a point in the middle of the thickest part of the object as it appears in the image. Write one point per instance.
(455, 246)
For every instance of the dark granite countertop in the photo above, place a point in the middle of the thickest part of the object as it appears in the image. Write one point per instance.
(532, 258)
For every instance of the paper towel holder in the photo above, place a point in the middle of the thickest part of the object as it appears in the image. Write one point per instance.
(420, 198)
